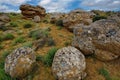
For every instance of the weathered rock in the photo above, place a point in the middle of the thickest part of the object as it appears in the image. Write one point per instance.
(115, 17)
(77, 17)
(69, 64)
(102, 35)
(30, 11)
(20, 62)
(36, 19)
(54, 17)
(3, 20)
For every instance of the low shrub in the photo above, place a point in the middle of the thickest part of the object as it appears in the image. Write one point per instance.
(19, 40)
(3, 28)
(1, 46)
(98, 18)
(37, 34)
(48, 58)
(39, 58)
(28, 44)
(51, 42)
(59, 22)
(28, 25)
(67, 43)
(8, 36)
(13, 24)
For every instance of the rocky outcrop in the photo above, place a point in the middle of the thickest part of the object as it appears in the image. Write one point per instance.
(101, 37)
(54, 17)
(76, 18)
(69, 64)
(3, 20)
(30, 11)
(20, 62)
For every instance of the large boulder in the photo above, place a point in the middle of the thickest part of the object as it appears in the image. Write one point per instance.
(30, 11)
(69, 64)
(77, 17)
(101, 37)
(20, 62)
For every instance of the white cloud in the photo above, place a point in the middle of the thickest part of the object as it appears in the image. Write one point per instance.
(55, 5)
(13, 2)
(101, 4)
(5, 8)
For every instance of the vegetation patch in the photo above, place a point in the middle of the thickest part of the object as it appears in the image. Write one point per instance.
(48, 58)
(104, 72)
(13, 24)
(28, 25)
(51, 42)
(38, 34)
(3, 75)
(19, 40)
(98, 18)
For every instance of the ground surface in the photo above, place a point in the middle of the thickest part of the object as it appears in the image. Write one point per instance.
(61, 37)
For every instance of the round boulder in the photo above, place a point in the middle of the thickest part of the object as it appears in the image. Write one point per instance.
(69, 64)
(36, 19)
(20, 62)
(101, 37)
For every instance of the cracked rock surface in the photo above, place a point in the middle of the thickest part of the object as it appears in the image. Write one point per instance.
(69, 64)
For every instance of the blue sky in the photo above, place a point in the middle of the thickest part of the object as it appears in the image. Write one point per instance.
(61, 5)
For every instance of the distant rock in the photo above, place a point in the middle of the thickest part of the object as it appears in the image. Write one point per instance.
(69, 64)
(77, 17)
(36, 19)
(115, 17)
(20, 62)
(57, 18)
(30, 11)
(3, 20)
(101, 37)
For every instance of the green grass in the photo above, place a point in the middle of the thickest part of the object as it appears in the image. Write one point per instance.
(59, 23)
(19, 40)
(48, 58)
(13, 24)
(28, 25)
(1, 46)
(67, 43)
(51, 42)
(104, 72)
(8, 36)
(3, 75)
(28, 44)
(98, 18)
(38, 34)
(6, 53)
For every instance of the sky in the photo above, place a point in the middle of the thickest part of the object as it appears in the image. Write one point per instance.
(62, 5)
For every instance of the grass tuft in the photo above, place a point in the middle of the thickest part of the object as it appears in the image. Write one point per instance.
(104, 72)
(48, 58)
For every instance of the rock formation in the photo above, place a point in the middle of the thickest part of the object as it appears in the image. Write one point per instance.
(69, 64)
(3, 20)
(30, 11)
(76, 18)
(101, 37)
(20, 62)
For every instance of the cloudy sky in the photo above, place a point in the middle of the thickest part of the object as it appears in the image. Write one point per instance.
(61, 5)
